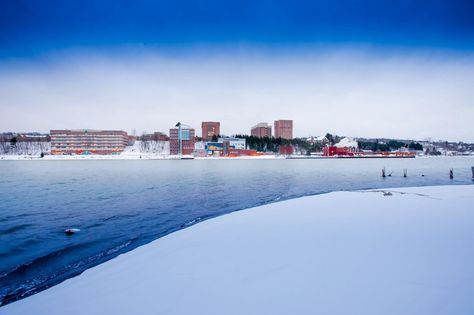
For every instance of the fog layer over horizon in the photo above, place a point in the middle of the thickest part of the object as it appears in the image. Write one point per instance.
(352, 92)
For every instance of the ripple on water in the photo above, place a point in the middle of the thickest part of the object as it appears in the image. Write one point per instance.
(40, 280)
(15, 228)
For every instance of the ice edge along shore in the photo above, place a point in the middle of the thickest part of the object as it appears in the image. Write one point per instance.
(337, 253)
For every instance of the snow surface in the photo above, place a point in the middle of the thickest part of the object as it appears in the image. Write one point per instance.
(147, 148)
(24, 148)
(338, 253)
(347, 143)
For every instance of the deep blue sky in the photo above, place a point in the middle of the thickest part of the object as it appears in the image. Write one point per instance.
(29, 28)
(332, 66)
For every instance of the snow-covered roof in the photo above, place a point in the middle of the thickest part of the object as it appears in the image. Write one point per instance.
(317, 139)
(262, 125)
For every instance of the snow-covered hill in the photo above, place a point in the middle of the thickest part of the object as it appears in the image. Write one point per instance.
(148, 148)
(31, 148)
(369, 252)
(34, 148)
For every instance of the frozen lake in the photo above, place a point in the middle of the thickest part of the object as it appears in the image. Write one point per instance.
(122, 204)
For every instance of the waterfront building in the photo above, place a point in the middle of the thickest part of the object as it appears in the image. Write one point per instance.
(261, 130)
(286, 150)
(210, 129)
(85, 141)
(234, 143)
(187, 140)
(33, 137)
(334, 151)
(24, 137)
(225, 145)
(200, 149)
(283, 129)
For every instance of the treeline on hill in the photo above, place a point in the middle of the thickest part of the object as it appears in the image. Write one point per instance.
(267, 144)
(271, 144)
(391, 145)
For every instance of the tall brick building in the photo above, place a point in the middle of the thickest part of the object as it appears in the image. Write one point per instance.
(284, 129)
(210, 129)
(156, 136)
(187, 140)
(261, 130)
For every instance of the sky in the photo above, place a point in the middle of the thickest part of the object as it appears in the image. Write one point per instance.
(402, 69)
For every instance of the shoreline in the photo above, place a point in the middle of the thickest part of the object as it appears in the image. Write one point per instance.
(118, 157)
(306, 246)
(167, 158)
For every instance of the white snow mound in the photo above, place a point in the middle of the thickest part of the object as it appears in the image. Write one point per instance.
(340, 253)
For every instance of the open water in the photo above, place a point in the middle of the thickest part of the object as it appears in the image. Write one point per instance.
(121, 204)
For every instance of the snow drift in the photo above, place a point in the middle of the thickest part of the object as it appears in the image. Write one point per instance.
(338, 253)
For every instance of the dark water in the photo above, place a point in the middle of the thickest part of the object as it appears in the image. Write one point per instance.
(119, 205)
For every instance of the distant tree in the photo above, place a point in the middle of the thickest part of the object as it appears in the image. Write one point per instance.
(377, 146)
(415, 146)
(330, 138)
(395, 145)
(214, 138)
(13, 141)
(383, 147)
(271, 144)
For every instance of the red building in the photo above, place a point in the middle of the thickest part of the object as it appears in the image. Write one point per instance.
(261, 130)
(32, 137)
(156, 136)
(352, 152)
(187, 140)
(239, 152)
(332, 151)
(86, 141)
(286, 150)
(284, 129)
(210, 129)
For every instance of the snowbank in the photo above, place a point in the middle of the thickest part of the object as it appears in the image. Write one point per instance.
(338, 253)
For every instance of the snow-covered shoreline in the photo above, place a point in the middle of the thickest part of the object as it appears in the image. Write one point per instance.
(172, 157)
(339, 253)
(125, 157)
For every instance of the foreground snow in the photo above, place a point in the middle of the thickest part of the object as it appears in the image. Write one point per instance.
(339, 253)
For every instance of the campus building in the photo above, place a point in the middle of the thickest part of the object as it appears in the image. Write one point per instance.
(156, 136)
(261, 130)
(187, 140)
(223, 146)
(284, 129)
(210, 129)
(86, 141)
(229, 147)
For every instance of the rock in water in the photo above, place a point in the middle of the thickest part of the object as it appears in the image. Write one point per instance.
(71, 231)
